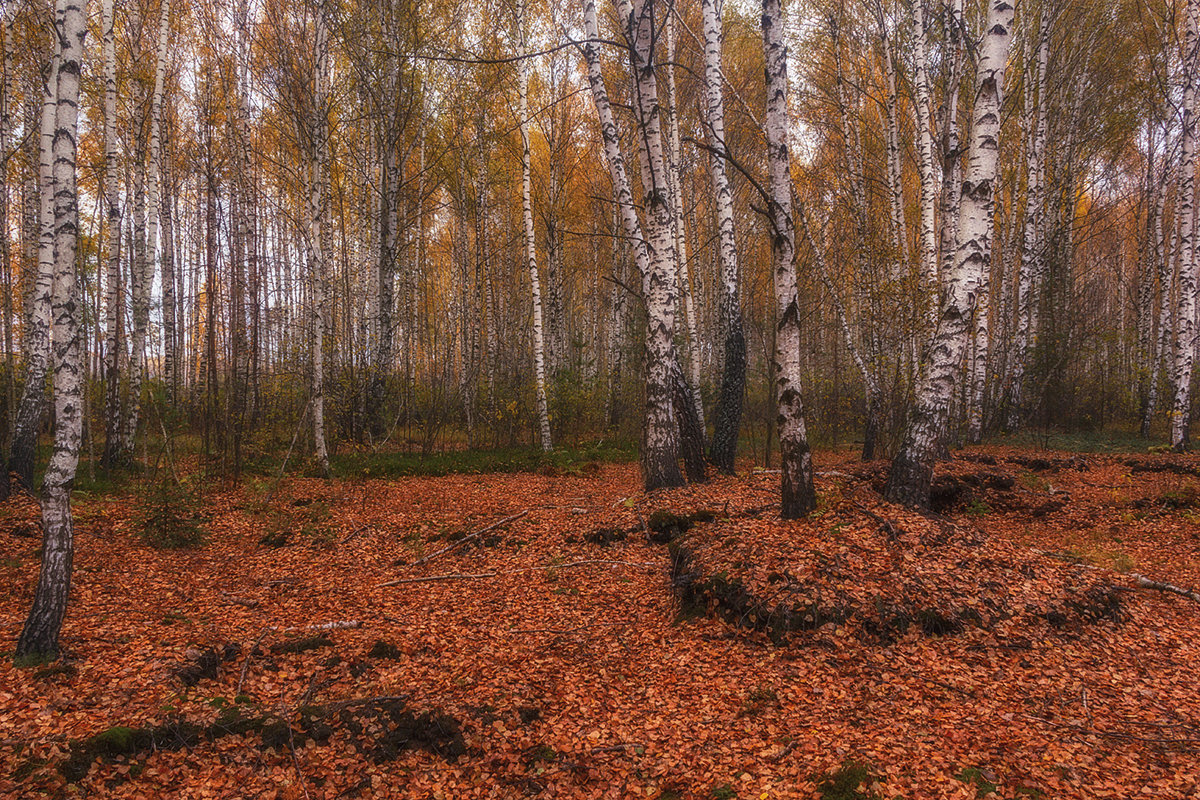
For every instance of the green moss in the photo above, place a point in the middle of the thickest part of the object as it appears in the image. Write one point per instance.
(723, 792)
(974, 776)
(851, 781)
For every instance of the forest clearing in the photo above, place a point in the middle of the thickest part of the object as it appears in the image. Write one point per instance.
(586, 647)
(699, 399)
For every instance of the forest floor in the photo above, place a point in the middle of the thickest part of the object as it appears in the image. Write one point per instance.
(605, 643)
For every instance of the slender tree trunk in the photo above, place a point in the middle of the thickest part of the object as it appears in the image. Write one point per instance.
(895, 167)
(1185, 319)
(40, 634)
(1033, 253)
(33, 398)
(728, 417)
(929, 188)
(539, 342)
(113, 416)
(795, 458)
(675, 179)
(660, 451)
(912, 469)
(316, 239)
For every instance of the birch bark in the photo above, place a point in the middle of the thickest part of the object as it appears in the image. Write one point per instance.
(317, 224)
(33, 397)
(674, 176)
(660, 451)
(40, 634)
(728, 416)
(539, 340)
(1185, 318)
(795, 458)
(1033, 251)
(912, 469)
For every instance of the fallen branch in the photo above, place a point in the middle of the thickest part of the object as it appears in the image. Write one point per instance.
(1145, 583)
(470, 538)
(433, 578)
(481, 575)
(337, 625)
(246, 663)
(354, 533)
(241, 601)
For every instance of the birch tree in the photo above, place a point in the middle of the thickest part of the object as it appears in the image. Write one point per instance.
(675, 179)
(113, 443)
(33, 398)
(318, 201)
(795, 458)
(728, 415)
(1185, 319)
(1033, 251)
(660, 447)
(912, 469)
(539, 342)
(39, 637)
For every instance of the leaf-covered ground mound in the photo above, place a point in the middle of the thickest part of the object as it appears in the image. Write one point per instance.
(590, 648)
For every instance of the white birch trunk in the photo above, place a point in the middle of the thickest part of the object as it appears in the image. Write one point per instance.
(795, 458)
(1033, 253)
(539, 340)
(316, 239)
(912, 469)
(660, 451)
(1185, 318)
(727, 423)
(929, 188)
(113, 449)
(40, 634)
(33, 397)
(895, 168)
(674, 166)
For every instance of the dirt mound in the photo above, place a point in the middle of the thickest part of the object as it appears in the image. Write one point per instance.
(879, 577)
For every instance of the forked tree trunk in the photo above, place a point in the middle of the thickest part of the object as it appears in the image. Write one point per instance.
(912, 469)
(1185, 318)
(539, 339)
(728, 417)
(40, 634)
(795, 458)
(33, 398)
(660, 450)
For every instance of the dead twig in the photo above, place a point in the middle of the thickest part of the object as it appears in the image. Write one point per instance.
(240, 601)
(1145, 583)
(471, 537)
(435, 578)
(246, 663)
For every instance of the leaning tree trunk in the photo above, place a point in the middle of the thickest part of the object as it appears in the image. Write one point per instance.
(660, 451)
(795, 458)
(912, 469)
(539, 338)
(33, 398)
(39, 637)
(728, 417)
(1185, 318)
